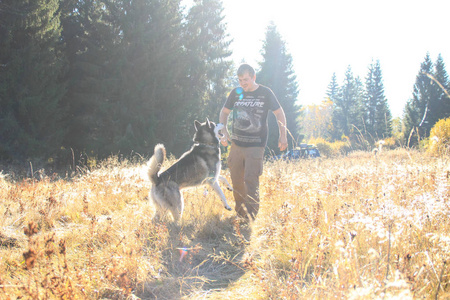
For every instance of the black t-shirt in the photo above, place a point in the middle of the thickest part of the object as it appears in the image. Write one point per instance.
(250, 111)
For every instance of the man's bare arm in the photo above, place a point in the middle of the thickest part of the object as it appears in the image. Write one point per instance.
(223, 118)
(281, 121)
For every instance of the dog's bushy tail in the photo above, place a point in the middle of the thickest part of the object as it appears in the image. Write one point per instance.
(155, 162)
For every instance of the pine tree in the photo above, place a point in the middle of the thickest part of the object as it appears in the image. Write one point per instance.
(276, 72)
(441, 108)
(333, 89)
(416, 117)
(383, 128)
(32, 67)
(207, 45)
(149, 106)
(347, 114)
(91, 40)
(333, 95)
(370, 103)
(377, 116)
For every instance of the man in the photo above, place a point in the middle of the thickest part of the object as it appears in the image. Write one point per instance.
(250, 104)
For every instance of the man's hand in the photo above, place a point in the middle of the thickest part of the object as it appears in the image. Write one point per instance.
(226, 137)
(281, 120)
(223, 118)
(282, 143)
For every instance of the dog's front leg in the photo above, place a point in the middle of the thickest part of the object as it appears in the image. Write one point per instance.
(216, 187)
(225, 181)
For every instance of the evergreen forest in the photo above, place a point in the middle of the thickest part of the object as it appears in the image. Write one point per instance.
(87, 78)
(108, 77)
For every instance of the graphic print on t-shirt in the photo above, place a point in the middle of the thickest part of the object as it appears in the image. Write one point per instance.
(248, 120)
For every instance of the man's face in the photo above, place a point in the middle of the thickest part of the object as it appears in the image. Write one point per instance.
(247, 82)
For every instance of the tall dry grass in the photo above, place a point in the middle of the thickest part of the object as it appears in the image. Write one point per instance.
(355, 227)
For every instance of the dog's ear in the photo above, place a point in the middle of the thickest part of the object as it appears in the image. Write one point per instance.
(197, 125)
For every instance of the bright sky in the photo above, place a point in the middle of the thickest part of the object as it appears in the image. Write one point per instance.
(326, 36)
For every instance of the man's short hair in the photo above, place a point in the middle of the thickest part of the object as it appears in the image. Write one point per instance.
(246, 68)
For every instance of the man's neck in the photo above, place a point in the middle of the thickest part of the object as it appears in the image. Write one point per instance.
(254, 87)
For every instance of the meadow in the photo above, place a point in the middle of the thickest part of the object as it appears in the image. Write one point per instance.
(360, 226)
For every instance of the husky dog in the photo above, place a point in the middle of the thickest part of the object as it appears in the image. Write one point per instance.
(200, 165)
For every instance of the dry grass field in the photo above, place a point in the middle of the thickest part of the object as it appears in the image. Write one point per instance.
(355, 227)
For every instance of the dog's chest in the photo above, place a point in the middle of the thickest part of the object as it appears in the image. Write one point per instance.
(210, 164)
(206, 167)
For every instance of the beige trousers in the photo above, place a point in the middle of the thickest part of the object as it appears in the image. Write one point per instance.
(246, 165)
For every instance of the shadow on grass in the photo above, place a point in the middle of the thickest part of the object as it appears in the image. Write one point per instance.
(200, 259)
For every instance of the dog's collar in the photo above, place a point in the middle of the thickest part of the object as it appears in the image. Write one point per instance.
(212, 146)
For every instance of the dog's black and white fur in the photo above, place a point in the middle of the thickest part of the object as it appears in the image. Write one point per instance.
(200, 165)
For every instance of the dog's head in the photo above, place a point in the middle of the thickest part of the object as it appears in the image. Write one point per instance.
(207, 132)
